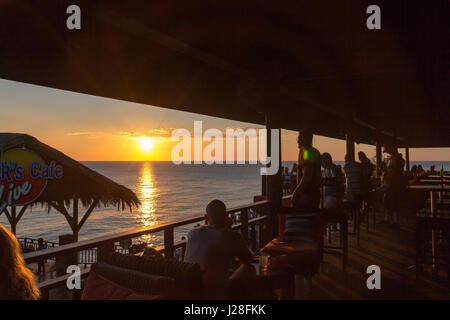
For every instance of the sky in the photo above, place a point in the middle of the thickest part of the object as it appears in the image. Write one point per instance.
(90, 128)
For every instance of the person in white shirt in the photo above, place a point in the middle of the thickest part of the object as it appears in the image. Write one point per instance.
(213, 247)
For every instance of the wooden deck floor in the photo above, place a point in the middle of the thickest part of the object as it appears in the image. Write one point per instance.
(393, 250)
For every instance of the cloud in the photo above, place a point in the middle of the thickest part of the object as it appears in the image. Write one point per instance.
(85, 133)
(157, 134)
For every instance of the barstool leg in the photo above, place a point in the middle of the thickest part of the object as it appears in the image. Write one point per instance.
(345, 244)
(357, 226)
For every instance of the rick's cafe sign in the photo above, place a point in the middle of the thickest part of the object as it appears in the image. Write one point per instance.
(24, 176)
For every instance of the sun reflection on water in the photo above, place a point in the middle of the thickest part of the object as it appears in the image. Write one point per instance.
(147, 195)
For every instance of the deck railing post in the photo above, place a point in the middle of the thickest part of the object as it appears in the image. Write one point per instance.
(168, 243)
(378, 158)
(274, 184)
(244, 222)
(183, 251)
(261, 235)
(104, 251)
(253, 237)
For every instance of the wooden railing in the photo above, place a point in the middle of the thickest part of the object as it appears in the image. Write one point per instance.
(253, 230)
(29, 244)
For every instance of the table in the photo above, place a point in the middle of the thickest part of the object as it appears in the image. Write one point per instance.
(432, 188)
(435, 181)
(283, 279)
(436, 176)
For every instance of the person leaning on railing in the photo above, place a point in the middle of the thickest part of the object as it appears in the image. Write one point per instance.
(214, 246)
(16, 280)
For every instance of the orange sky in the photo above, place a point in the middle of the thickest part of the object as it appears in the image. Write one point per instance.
(90, 128)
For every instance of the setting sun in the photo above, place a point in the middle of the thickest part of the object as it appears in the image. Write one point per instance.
(146, 144)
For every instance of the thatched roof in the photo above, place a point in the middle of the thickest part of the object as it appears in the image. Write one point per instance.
(78, 180)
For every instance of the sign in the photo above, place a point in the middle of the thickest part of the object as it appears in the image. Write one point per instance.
(24, 176)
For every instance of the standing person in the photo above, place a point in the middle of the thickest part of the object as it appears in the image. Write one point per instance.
(286, 180)
(294, 174)
(367, 169)
(433, 169)
(420, 171)
(41, 263)
(306, 196)
(16, 280)
(394, 183)
(332, 181)
(353, 175)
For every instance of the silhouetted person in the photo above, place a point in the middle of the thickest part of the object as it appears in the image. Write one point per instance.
(394, 183)
(294, 176)
(286, 180)
(16, 280)
(367, 169)
(353, 175)
(306, 196)
(332, 190)
(213, 247)
(420, 171)
(41, 263)
(433, 169)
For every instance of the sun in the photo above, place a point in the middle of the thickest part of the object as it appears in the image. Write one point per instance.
(146, 144)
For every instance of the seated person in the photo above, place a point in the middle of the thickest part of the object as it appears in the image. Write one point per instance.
(353, 175)
(213, 247)
(332, 181)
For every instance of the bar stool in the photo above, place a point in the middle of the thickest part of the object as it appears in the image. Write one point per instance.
(333, 217)
(304, 248)
(353, 208)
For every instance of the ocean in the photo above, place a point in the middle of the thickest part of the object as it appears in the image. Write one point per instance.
(168, 192)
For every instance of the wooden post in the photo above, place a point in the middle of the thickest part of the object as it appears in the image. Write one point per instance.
(104, 251)
(13, 220)
(379, 160)
(75, 219)
(168, 243)
(253, 237)
(350, 146)
(264, 186)
(407, 158)
(274, 190)
(244, 222)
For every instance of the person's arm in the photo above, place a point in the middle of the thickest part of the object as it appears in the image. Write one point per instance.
(243, 252)
(307, 177)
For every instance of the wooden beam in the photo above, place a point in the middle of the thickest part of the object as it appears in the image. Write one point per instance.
(407, 158)
(75, 229)
(13, 220)
(350, 146)
(379, 159)
(62, 209)
(88, 213)
(21, 212)
(8, 216)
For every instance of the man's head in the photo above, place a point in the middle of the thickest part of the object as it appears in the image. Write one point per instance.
(326, 160)
(390, 148)
(217, 213)
(362, 156)
(305, 138)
